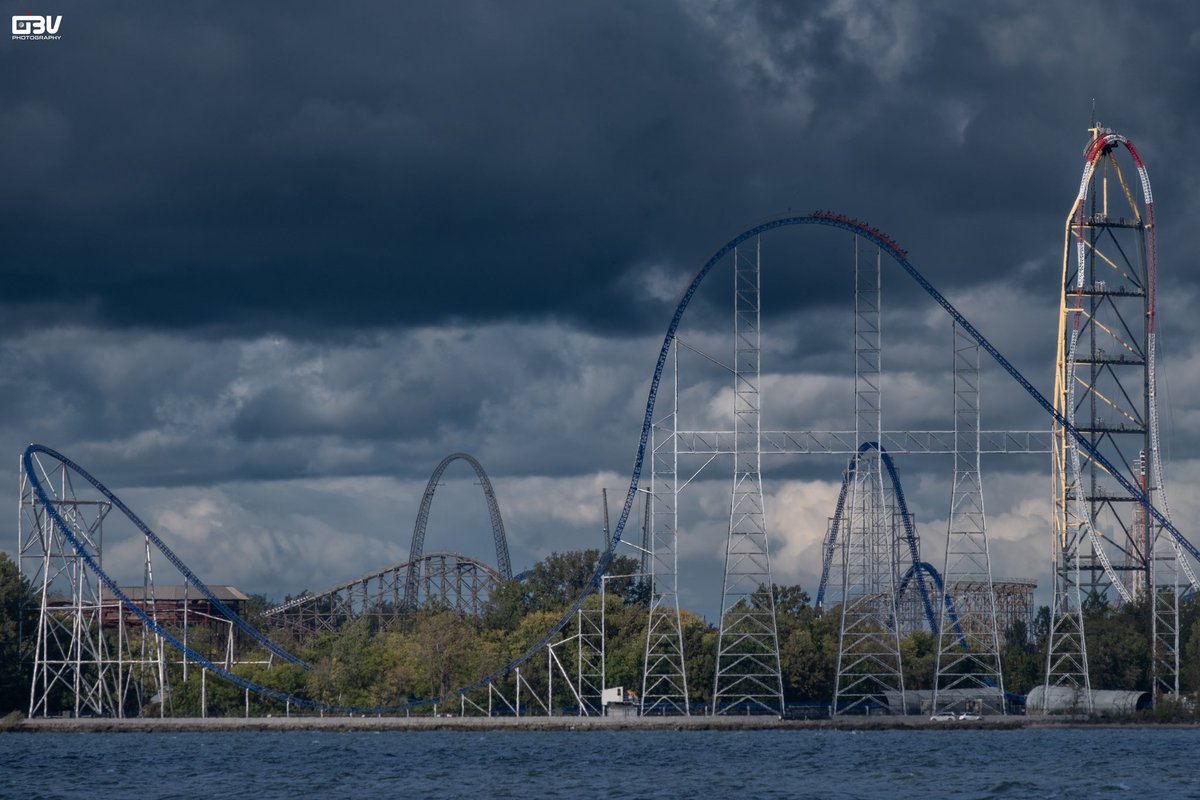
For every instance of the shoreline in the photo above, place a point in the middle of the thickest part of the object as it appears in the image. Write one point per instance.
(582, 724)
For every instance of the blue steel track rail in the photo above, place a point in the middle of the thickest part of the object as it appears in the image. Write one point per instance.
(951, 612)
(909, 533)
(49, 504)
(824, 218)
(192, 578)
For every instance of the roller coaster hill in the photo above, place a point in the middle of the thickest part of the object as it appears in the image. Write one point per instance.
(1111, 529)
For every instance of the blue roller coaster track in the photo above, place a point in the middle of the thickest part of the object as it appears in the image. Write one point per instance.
(910, 533)
(822, 218)
(951, 612)
(918, 566)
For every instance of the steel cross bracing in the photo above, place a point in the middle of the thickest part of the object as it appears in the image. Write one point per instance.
(1105, 380)
(446, 580)
(846, 443)
(664, 679)
(104, 670)
(69, 603)
(590, 660)
(747, 670)
(969, 657)
(868, 664)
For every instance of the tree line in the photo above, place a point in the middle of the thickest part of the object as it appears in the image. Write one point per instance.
(433, 651)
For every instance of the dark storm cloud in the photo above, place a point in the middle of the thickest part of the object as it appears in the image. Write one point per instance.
(272, 265)
(347, 168)
(321, 168)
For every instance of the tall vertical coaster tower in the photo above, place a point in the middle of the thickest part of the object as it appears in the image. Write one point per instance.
(747, 674)
(869, 648)
(969, 652)
(1106, 547)
(664, 679)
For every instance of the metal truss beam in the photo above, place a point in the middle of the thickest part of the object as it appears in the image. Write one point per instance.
(845, 443)
(447, 580)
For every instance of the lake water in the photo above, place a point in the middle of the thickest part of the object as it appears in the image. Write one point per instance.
(1073, 763)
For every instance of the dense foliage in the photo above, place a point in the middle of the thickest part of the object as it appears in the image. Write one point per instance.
(16, 622)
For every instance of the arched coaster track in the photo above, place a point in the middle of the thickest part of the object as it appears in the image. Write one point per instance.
(822, 218)
(503, 563)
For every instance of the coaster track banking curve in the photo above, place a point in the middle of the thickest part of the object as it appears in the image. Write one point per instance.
(823, 218)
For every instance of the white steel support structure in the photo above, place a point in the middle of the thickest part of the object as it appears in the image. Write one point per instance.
(1107, 548)
(664, 678)
(86, 659)
(869, 642)
(589, 672)
(747, 670)
(968, 654)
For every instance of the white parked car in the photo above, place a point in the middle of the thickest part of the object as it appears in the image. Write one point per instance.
(969, 715)
(943, 716)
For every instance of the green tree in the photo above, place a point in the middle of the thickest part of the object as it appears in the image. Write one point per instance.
(556, 581)
(918, 654)
(447, 648)
(1022, 661)
(16, 620)
(1118, 645)
(699, 657)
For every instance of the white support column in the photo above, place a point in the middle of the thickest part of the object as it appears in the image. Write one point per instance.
(869, 643)
(664, 681)
(968, 640)
(747, 670)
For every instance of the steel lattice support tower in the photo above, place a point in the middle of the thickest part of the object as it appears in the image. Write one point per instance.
(969, 653)
(85, 656)
(589, 654)
(747, 670)
(664, 678)
(1107, 548)
(869, 641)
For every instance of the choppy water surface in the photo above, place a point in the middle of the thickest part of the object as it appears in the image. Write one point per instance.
(1081, 763)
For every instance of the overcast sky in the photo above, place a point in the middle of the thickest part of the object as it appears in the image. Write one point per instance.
(265, 267)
